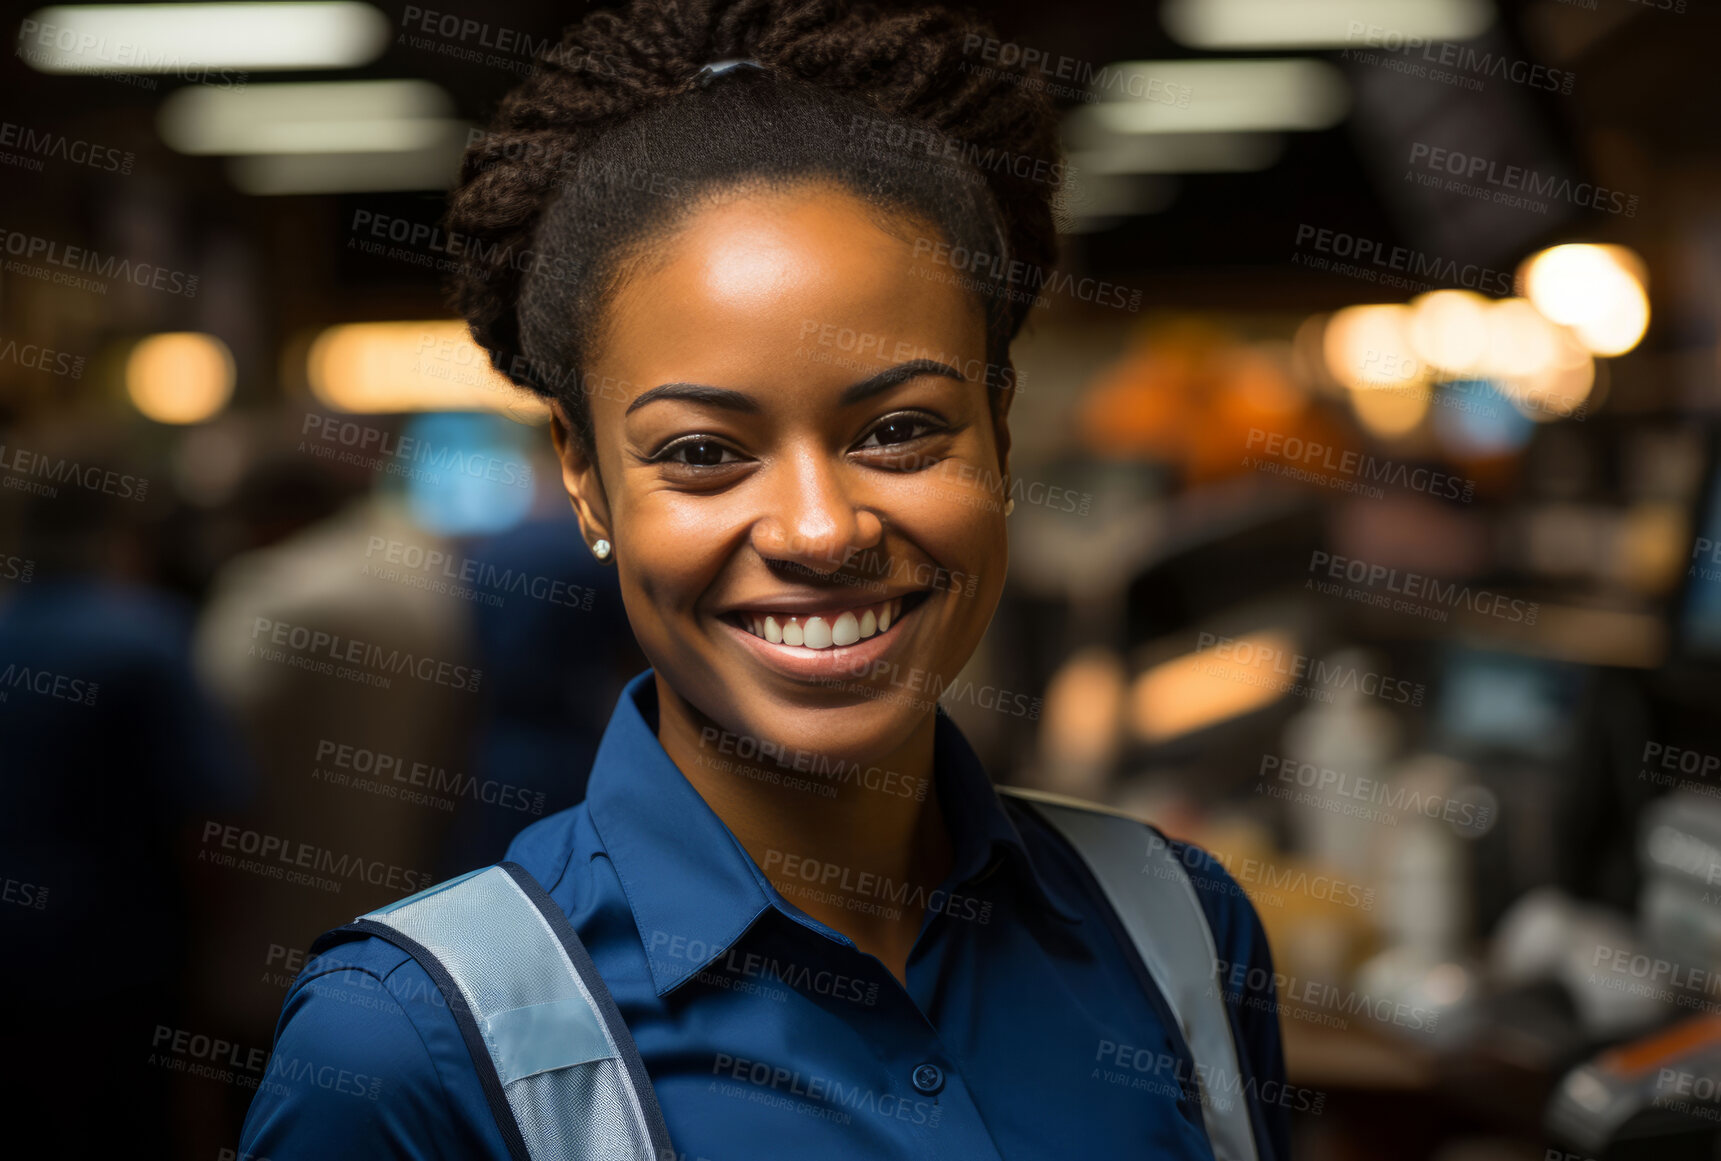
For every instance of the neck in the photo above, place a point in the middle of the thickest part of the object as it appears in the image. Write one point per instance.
(819, 838)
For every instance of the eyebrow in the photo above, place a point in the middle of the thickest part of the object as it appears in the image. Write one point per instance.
(740, 401)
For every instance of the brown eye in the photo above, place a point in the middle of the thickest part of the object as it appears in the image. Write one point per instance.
(696, 451)
(898, 429)
(703, 453)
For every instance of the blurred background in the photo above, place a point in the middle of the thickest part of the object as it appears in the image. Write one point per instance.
(1368, 532)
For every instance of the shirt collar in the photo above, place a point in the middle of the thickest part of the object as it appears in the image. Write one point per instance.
(693, 888)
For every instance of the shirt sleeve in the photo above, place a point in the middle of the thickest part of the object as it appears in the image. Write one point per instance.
(369, 1066)
(1245, 972)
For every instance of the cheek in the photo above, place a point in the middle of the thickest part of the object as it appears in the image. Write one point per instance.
(959, 527)
(677, 546)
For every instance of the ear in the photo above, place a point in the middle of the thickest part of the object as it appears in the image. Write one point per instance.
(580, 477)
(1000, 406)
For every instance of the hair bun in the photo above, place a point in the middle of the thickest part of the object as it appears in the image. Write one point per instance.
(914, 66)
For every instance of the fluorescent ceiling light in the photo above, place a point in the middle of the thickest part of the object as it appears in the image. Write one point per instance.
(1232, 96)
(324, 173)
(1178, 153)
(322, 117)
(166, 38)
(1246, 24)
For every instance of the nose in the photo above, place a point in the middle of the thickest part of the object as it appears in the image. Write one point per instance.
(811, 515)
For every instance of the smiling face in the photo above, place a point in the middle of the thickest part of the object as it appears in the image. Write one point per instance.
(801, 472)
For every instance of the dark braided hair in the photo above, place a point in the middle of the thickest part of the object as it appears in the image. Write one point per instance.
(617, 136)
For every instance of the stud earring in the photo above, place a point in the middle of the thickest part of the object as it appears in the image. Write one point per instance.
(601, 550)
(1009, 505)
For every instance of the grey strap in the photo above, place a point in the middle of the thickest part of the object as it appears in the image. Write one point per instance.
(1159, 909)
(516, 976)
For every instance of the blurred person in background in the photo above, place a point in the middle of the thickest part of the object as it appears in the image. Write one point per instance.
(113, 752)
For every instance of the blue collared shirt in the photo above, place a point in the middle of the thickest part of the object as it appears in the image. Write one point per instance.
(1025, 1030)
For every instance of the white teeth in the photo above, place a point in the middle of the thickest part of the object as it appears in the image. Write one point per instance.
(818, 633)
(845, 628)
(846, 631)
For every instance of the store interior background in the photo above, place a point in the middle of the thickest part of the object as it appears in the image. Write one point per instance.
(1442, 695)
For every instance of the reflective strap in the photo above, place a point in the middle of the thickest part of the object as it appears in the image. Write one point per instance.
(1157, 905)
(568, 1070)
(541, 1037)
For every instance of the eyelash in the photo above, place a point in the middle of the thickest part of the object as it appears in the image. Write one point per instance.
(917, 419)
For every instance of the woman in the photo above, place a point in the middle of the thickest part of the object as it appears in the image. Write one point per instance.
(765, 260)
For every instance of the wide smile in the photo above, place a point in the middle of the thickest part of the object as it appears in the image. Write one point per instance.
(828, 642)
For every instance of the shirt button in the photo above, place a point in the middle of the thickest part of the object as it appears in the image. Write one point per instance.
(928, 1078)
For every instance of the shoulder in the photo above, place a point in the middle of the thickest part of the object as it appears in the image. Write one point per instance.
(1231, 917)
(368, 1060)
(555, 845)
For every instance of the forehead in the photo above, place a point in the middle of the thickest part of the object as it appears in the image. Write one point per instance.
(772, 276)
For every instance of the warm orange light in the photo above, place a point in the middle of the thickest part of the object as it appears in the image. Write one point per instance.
(1201, 689)
(428, 365)
(1598, 291)
(180, 376)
